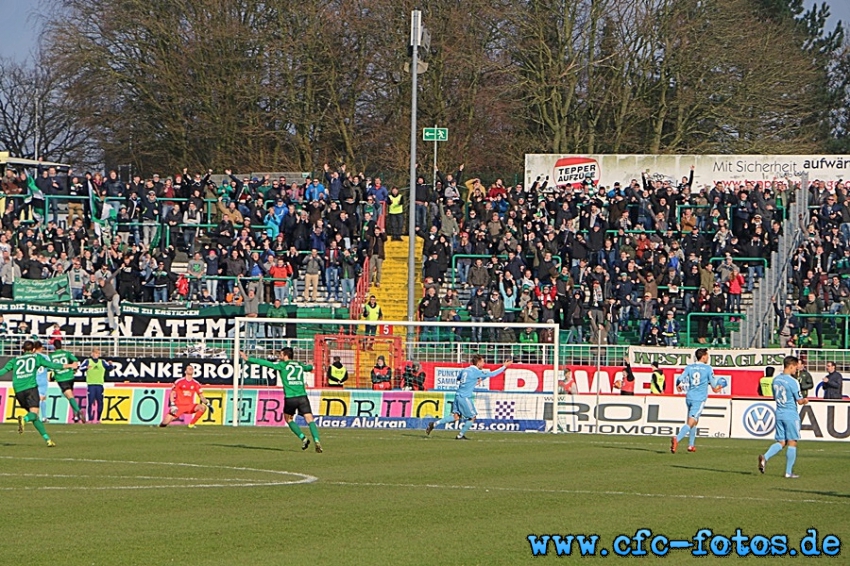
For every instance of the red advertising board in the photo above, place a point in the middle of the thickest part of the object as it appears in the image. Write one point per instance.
(538, 378)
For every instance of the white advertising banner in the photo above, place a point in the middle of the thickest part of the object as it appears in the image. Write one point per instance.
(638, 415)
(819, 420)
(605, 170)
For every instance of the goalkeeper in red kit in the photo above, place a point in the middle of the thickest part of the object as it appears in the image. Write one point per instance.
(182, 399)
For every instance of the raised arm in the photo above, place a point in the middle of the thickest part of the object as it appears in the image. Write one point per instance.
(494, 373)
(258, 361)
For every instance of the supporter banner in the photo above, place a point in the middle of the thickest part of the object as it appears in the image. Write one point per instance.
(263, 406)
(643, 416)
(135, 320)
(55, 290)
(574, 170)
(819, 420)
(209, 371)
(729, 359)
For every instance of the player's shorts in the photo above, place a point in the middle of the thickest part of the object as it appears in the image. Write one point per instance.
(300, 404)
(694, 408)
(787, 428)
(66, 385)
(28, 398)
(464, 407)
(179, 410)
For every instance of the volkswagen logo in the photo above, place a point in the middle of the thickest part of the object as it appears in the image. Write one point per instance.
(759, 419)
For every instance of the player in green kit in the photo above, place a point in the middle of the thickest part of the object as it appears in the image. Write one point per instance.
(24, 370)
(292, 377)
(65, 378)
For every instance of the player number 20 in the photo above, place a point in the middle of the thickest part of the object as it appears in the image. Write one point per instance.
(25, 365)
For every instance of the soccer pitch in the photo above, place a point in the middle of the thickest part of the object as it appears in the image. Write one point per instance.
(116, 495)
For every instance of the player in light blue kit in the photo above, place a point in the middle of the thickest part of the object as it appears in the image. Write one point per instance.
(464, 408)
(786, 393)
(695, 379)
(42, 379)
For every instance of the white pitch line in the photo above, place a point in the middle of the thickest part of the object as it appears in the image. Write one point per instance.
(302, 478)
(76, 476)
(581, 492)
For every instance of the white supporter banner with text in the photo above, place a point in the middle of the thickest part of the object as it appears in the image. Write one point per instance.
(819, 420)
(605, 170)
(638, 415)
(718, 359)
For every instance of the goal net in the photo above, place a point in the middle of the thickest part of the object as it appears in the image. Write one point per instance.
(404, 374)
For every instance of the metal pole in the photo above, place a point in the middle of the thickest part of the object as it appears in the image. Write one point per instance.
(236, 370)
(556, 362)
(415, 29)
(435, 161)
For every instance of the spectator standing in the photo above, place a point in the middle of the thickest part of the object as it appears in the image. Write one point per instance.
(253, 296)
(395, 214)
(312, 269)
(348, 274)
(833, 383)
(333, 263)
(195, 270)
(281, 273)
(377, 253)
(372, 312)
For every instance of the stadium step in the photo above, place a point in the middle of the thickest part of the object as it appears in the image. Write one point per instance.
(392, 294)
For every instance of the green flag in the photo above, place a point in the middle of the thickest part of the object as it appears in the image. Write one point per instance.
(55, 290)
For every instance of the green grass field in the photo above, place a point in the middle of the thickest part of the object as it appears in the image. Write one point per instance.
(117, 495)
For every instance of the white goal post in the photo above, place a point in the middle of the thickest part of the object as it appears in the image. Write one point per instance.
(260, 337)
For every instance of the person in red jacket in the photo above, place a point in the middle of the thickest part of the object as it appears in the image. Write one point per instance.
(281, 273)
(381, 375)
(735, 286)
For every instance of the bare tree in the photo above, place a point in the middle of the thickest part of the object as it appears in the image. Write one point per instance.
(34, 109)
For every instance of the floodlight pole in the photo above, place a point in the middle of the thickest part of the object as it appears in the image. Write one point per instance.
(415, 32)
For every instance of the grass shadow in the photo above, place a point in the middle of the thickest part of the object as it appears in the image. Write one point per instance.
(247, 447)
(736, 472)
(823, 493)
(636, 449)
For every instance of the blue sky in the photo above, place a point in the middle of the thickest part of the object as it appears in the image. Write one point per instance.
(19, 39)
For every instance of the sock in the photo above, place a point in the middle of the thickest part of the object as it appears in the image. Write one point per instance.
(43, 406)
(692, 435)
(445, 420)
(74, 405)
(466, 426)
(790, 458)
(197, 416)
(774, 449)
(39, 426)
(296, 430)
(682, 433)
(314, 430)
(30, 417)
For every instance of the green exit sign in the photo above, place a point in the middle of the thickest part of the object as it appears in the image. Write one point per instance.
(435, 134)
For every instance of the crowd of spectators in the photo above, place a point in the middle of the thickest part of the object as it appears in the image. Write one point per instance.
(597, 260)
(638, 256)
(96, 229)
(819, 297)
